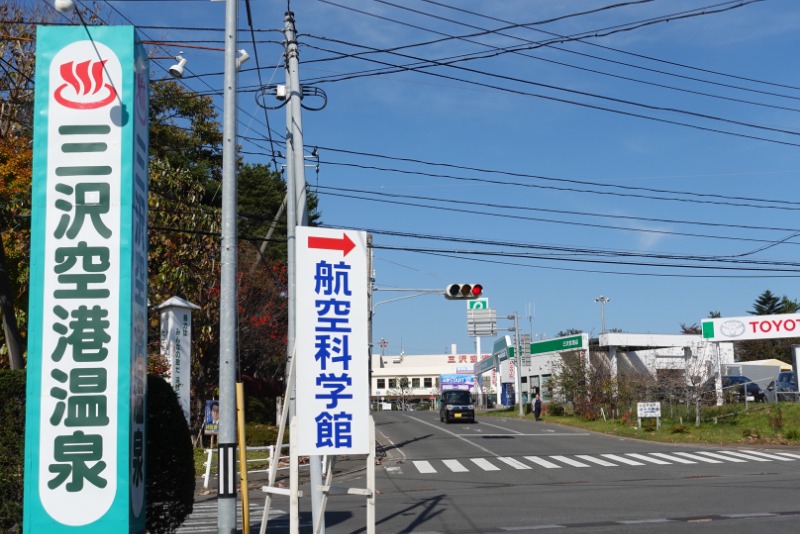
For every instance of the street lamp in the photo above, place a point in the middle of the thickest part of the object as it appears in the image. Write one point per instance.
(602, 300)
(517, 360)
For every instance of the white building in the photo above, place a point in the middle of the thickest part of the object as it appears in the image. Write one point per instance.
(644, 353)
(422, 372)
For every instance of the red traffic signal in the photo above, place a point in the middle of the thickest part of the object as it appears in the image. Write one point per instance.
(463, 291)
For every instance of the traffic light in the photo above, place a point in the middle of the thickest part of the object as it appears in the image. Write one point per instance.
(463, 291)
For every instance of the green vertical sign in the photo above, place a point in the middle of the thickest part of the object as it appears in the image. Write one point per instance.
(708, 329)
(87, 338)
(503, 348)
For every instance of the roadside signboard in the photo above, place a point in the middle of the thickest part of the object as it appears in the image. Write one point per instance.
(503, 348)
(648, 409)
(87, 345)
(481, 366)
(332, 407)
(451, 381)
(561, 344)
(482, 322)
(751, 327)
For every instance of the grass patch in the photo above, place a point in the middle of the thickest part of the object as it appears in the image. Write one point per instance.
(760, 424)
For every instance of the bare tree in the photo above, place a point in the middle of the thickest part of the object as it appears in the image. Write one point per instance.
(401, 392)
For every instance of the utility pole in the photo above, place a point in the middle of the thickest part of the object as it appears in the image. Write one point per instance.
(297, 215)
(518, 362)
(226, 502)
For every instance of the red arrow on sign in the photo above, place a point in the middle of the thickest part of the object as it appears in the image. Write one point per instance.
(345, 244)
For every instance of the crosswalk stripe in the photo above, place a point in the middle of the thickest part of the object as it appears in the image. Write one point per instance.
(672, 458)
(424, 466)
(721, 457)
(699, 458)
(455, 466)
(621, 459)
(597, 461)
(569, 461)
(541, 461)
(555, 461)
(745, 455)
(647, 458)
(484, 464)
(516, 464)
(773, 456)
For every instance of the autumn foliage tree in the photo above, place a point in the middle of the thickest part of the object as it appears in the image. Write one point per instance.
(184, 219)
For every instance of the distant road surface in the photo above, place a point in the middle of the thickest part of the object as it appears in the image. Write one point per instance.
(509, 475)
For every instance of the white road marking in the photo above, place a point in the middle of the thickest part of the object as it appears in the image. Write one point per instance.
(772, 456)
(722, 457)
(621, 459)
(647, 458)
(485, 464)
(569, 461)
(672, 458)
(542, 462)
(455, 466)
(516, 464)
(597, 461)
(745, 455)
(699, 458)
(424, 466)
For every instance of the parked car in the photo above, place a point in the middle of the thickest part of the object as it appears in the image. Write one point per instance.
(733, 389)
(456, 405)
(786, 387)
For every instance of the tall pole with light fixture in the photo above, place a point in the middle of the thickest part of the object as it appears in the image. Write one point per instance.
(518, 363)
(602, 300)
(226, 501)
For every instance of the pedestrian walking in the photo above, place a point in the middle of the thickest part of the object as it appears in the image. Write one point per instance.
(537, 408)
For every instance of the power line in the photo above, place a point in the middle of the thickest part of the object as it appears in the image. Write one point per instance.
(618, 189)
(569, 223)
(337, 191)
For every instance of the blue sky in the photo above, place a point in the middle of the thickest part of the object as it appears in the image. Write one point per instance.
(656, 166)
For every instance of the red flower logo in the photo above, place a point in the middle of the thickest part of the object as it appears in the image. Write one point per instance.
(84, 87)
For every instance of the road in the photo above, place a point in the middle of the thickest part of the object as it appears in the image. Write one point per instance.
(510, 475)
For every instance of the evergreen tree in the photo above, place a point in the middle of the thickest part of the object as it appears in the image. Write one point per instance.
(766, 304)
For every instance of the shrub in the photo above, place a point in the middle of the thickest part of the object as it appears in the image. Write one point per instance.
(679, 429)
(649, 424)
(170, 464)
(12, 447)
(557, 410)
(170, 459)
(259, 410)
(776, 418)
(258, 435)
(793, 435)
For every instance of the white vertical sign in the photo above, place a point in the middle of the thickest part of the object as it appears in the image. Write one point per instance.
(332, 345)
(176, 346)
